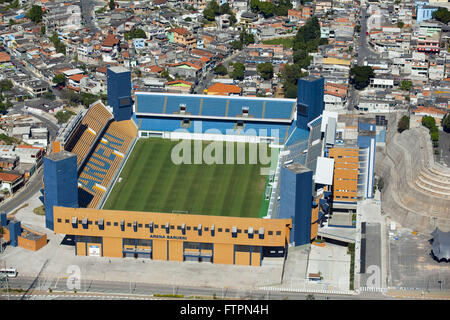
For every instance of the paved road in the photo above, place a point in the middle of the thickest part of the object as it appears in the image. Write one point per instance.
(128, 288)
(87, 10)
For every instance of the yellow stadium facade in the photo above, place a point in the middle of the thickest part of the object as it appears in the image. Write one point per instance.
(172, 237)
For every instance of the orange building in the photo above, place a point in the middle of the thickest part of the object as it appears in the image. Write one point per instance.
(224, 89)
(345, 180)
(174, 237)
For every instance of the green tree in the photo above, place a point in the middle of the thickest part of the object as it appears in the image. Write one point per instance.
(236, 45)
(43, 30)
(357, 28)
(238, 71)
(265, 70)
(63, 116)
(267, 9)
(135, 33)
(111, 5)
(400, 24)
(225, 9)
(5, 85)
(59, 79)
(446, 122)
(403, 124)
(406, 85)
(360, 76)
(220, 70)
(11, 22)
(35, 14)
(442, 15)
(429, 122)
(209, 14)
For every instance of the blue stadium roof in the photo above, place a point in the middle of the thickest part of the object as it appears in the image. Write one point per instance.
(214, 107)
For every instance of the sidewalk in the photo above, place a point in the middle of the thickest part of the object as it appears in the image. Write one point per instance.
(418, 294)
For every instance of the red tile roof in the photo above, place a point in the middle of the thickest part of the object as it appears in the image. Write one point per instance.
(110, 40)
(10, 177)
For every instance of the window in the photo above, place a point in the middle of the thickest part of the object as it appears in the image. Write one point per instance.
(172, 227)
(115, 224)
(128, 224)
(242, 248)
(227, 230)
(96, 223)
(178, 227)
(188, 228)
(66, 221)
(219, 230)
(278, 233)
(270, 233)
(140, 225)
(59, 220)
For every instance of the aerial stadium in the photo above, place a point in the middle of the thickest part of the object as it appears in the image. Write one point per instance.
(220, 179)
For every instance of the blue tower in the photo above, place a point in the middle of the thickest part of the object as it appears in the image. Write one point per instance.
(15, 230)
(296, 201)
(119, 93)
(310, 103)
(60, 183)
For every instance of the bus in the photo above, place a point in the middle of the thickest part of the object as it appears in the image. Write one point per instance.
(10, 272)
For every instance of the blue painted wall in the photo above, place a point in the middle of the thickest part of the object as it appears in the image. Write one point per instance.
(119, 94)
(296, 203)
(310, 103)
(14, 231)
(60, 183)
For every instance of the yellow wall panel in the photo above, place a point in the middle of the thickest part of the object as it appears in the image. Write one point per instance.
(223, 253)
(175, 250)
(112, 247)
(159, 249)
(242, 258)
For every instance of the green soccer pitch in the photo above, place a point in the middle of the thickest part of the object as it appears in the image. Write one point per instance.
(150, 181)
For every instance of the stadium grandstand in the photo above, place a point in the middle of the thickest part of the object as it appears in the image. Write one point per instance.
(100, 144)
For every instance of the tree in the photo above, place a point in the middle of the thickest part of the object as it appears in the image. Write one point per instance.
(43, 30)
(135, 33)
(35, 14)
(357, 28)
(446, 122)
(238, 71)
(266, 70)
(220, 70)
(11, 22)
(400, 24)
(63, 116)
(209, 15)
(360, 76)
(59, 79)
(5, 85)
(406, 85)
(442, 15)
(403, 124)
(428, 122)
(112, 5)
(236, 45)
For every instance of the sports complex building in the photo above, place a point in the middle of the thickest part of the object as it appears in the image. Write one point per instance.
(111, 183)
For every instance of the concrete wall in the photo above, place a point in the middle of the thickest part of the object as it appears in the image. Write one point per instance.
(405, 156)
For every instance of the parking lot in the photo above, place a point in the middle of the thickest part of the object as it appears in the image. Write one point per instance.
(411, 265)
